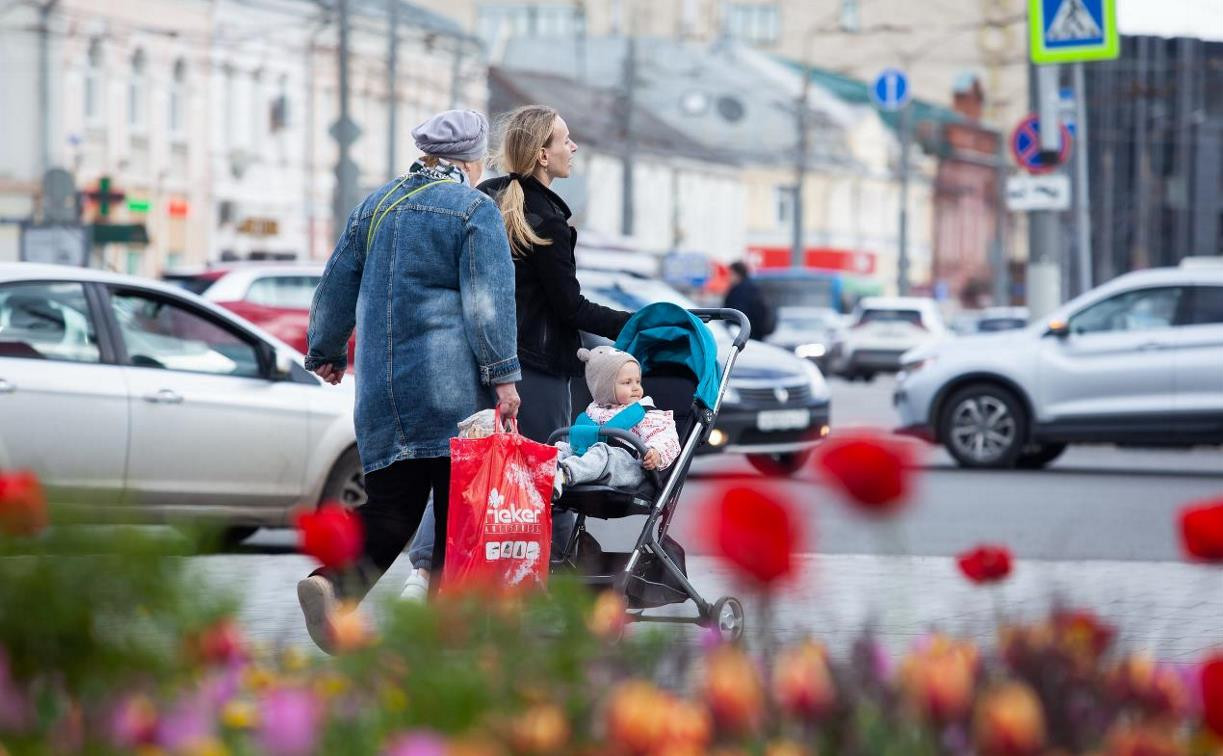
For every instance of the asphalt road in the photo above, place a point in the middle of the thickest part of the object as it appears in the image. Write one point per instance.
(1096, 529)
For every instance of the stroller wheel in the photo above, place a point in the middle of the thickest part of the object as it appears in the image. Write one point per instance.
(727, 618)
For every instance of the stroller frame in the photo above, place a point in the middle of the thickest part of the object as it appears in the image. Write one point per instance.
(726, 613)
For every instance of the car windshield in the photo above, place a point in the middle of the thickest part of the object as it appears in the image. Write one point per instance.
(989, 325)
(912, 317)
(625, 292)
(193, 284)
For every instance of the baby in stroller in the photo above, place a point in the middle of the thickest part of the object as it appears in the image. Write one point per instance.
(614, 380)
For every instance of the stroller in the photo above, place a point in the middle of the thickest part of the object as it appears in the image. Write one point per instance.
(678, 359)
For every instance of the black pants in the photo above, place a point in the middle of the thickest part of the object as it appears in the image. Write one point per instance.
(546, 404)
(397, 495)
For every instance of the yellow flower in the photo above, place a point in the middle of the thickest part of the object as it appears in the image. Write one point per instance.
(786, 748)
(239, 714)
(331, 685)
(205, 747)
(259, 678)
(293, 659)
(1009, 720)
(393, 698)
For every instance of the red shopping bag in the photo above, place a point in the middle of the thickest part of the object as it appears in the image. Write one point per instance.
(499, 524)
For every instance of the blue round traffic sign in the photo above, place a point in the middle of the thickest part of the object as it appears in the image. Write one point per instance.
(1025, 146)
(891, 89)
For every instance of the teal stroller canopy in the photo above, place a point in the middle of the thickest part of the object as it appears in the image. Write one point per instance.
(665, 333)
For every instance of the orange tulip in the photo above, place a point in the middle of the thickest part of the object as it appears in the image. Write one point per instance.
(1010, 722)
(636, 716)
(1157, 688)
(350, 629)
(608, 617)
(1139, 740)
(541, 729)
(938, 681)
(802, 681)
(733, 689)
(688, 728)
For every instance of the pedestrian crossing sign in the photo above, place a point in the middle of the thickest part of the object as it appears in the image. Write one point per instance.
(1072, 31)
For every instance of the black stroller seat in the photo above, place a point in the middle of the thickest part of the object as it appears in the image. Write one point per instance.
(680, 372)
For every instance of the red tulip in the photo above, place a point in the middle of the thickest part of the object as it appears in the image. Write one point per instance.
(872, 469)
(985, 564)
(23, 506)
(333, 535)
(1202, 530)
(1212, 693)
(755, 530)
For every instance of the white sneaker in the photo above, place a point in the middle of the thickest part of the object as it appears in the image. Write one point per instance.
(417, 587)
(316, 595)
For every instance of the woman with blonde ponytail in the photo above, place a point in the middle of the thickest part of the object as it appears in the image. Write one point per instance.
(535, 148)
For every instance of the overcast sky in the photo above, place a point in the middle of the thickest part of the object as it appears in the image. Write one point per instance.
(1172, 18)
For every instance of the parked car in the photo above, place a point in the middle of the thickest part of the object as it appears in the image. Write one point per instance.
(147, 402)
(883, 329)
(275, 297)
(994, 319)
(776, 408)
(808, 332)
(1138, 361)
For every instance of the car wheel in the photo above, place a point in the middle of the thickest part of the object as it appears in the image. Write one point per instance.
(983, 426)
(780, 465)
(1038, 456)
(346, 483)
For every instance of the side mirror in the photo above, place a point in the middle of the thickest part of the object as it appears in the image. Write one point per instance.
(1058, 328)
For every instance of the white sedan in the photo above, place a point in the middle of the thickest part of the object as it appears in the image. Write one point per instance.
(148, 403)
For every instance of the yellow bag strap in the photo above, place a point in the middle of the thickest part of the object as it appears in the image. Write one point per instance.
(376, 219)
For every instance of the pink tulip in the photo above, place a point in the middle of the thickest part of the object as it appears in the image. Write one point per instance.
(289, 721)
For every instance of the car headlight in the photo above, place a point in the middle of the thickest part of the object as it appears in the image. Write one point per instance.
(810, 351)
(819, 387)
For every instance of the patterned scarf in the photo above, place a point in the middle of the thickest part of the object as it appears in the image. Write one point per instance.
(443, 171)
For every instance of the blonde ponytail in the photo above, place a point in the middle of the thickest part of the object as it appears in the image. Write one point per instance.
(524, 132)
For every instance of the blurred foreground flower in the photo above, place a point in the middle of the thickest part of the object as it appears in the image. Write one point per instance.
(985, 564)
(1082, 634)
(23, 505)
(351, 629)
(937, 681)
(608, 616)
(332, 535)
(289, 720)
(1202, 530)
(220, 643)
(755, 530)
(540, 729)
(636, 716)
(874, 470)
(1009, 722)
(417, 743)
(1142, 740)
(1156, 688)
(1212, 693)
(733, 689)
(802, 681)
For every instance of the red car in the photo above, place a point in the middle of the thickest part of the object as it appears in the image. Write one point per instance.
(275, 297)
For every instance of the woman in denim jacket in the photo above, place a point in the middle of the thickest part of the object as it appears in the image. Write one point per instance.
(535, 150)
(423, 270)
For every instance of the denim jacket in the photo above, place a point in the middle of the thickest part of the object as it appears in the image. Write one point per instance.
(432, 298)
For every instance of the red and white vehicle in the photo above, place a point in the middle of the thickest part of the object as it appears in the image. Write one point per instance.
(275, 297)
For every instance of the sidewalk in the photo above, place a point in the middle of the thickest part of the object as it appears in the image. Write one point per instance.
(1172, 610)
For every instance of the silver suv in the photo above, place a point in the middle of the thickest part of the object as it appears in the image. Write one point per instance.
(1137, 361)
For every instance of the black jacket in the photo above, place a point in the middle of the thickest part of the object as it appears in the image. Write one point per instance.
(746, 298)
(551, 308)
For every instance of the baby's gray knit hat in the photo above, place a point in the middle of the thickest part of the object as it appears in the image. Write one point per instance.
(454, 135)
(602, 365)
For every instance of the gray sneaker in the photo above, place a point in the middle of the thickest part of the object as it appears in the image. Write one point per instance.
(316, 595)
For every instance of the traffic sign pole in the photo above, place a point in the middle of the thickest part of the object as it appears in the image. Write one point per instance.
(891, 92)
(1082, 194)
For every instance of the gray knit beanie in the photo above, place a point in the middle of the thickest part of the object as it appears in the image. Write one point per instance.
(454, 135)
(602, 365)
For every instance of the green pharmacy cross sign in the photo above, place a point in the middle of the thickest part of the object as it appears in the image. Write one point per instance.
(1073, 31)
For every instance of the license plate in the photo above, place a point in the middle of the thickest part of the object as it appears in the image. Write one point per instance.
(772, 420)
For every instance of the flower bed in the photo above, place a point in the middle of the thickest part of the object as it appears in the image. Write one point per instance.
(108, 646)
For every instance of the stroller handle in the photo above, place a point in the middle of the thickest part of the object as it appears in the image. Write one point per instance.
(726, 313)
(616, 433)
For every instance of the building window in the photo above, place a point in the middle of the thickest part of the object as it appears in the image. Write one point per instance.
(178, 97)
(495, 23)
(756, 23)
(851, 16)
(138, 95)
(94, 86)
(783, 202)
(256, 123)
